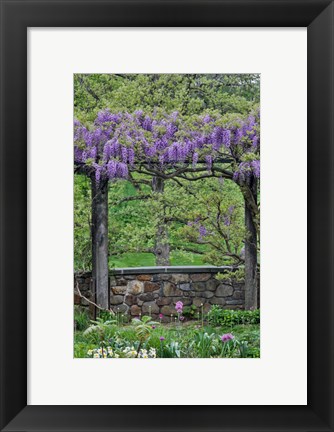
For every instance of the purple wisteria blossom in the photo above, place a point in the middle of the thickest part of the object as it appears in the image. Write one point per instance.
(245, 170)
(202, 231)
(255, 164)
(227, 221)
(195, 159)
(208, 160)
(117, 142)
(227, 217)
(221, 137)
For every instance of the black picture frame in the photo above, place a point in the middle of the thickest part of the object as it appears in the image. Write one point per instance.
(16, 17)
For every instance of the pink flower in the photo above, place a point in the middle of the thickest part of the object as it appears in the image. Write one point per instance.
(162, 338)
(161, 316)
(179, 307)
(153, 327)
(181, 318)
(226, 337)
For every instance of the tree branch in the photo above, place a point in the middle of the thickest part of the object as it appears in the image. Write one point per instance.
(133, 198)
(78, 292)
(88, 88)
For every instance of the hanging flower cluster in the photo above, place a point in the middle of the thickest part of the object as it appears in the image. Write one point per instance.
(245, 169)
(117, 143)
(197, 224)
(228, 215)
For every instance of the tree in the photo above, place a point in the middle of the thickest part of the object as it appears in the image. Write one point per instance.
(215, 225)
(187, 93)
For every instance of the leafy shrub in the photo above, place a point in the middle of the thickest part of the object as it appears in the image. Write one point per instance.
(105, 315)
(236, 275)
(143, 327)
(171, 350)
(81, 319)
(225, 317)
(81, 348)
(253, 352)
(190, 311)
(206, 345)
(100, 330)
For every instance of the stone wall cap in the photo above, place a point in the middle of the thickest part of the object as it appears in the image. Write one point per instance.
(170, 269)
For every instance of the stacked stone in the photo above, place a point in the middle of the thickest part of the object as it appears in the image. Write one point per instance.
(155, 294)
(84, 282)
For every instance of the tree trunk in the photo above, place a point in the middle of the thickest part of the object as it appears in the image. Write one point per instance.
(161, 247)
(93, 236)
(100, 270)
(251, 254)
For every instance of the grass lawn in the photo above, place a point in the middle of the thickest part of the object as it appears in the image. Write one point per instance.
(148, 260)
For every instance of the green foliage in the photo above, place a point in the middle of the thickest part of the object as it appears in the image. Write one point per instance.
(82, 220)
(135, 210)
(133, 224)
(185, 341)
(190, 311)
(170, 350)
(81, 319)
(100, 330)
(143, 327)
(81, 348)
(224, 317)
(186, 93)
(237, 275)
(206, 345)
(206, 203)
(106, 316)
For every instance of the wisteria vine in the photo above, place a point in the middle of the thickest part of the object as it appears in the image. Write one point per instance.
(120, 142)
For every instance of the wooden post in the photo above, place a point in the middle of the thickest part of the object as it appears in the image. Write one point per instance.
(251, 254)
(100, 270)
(161, 247)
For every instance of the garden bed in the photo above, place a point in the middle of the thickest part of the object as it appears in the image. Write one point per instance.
(192, 339)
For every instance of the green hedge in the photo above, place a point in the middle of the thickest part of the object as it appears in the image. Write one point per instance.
(224, 317)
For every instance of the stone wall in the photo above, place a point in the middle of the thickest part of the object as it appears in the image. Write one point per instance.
(155, 290)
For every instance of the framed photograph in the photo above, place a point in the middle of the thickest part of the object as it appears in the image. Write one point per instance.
(153, 277)
(179, 279)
